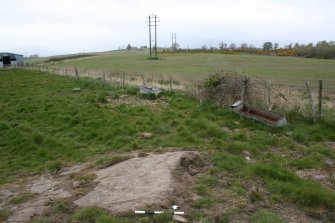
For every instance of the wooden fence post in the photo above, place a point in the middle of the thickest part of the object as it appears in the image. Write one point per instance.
(170, 84)
(199, 92)
(311, 101)
(123, 77)
(144, 80)
(110, 77)
(320, 99)
(244, 90)
(77, 72)
(268, 90)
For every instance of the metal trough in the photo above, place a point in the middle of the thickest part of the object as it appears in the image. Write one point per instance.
(148, 90)
(270, 118)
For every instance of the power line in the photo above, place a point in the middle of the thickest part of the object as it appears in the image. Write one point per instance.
(152, 21)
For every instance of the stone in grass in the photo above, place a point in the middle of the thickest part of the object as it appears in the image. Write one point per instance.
(178, 218)
(76, 89)
(246, 153)
(75, 184)
(146, 135)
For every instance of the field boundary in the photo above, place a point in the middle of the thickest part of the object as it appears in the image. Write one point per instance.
(310, 98)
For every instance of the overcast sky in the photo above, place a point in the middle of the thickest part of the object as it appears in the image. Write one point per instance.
(70, 26)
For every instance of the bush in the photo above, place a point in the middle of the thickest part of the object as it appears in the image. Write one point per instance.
(223, 88)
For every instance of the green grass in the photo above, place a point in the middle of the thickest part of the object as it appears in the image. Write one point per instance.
(265, 216)
(45, 126)
(21, 198)
(192, 67)
(95, 215)
(4, 214)
(283, 182)
(202, 202)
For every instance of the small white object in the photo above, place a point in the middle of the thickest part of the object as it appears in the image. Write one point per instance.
(236, 104)
(149, 212)
(247, 158)
(179, 213)
(175, 207)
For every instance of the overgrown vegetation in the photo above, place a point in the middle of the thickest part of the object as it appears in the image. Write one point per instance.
(47, 126)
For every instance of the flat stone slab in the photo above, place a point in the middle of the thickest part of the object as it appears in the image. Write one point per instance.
(134, 183)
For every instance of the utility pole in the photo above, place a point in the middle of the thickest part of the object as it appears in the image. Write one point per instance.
(150, 36)
(152, 22)
(174, 41)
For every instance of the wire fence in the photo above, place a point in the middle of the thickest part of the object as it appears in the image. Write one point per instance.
(120, 78)
(308, 97)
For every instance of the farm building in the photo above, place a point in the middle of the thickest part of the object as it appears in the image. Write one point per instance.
(11, 59)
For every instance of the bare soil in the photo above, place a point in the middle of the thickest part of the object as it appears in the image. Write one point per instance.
(134, 101)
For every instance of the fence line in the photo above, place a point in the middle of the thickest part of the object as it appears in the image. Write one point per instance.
(269, 94)
(120, 78)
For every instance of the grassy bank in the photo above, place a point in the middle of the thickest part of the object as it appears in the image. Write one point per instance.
(45, 125)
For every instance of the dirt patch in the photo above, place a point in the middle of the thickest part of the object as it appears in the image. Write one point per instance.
(331, 144)
(134, 101)
(45, 188)
(135, 183)
(324, 177)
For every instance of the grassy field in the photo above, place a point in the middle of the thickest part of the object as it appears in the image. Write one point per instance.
(44, 125)
(191, 67)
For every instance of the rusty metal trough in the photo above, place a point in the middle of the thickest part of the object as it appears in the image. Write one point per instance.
(270, 118)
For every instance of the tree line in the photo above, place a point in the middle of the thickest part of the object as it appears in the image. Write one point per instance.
(320, 50)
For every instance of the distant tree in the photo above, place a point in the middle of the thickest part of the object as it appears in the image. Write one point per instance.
(276, 45)
(289, 46)
(222, 46)
(212, 48)
(175, 46)
(232, 46)
(128, 47)
(296, 46)
(34, 56)
(324, 50)
(244, 46)
(204, 47)
(267, 46)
